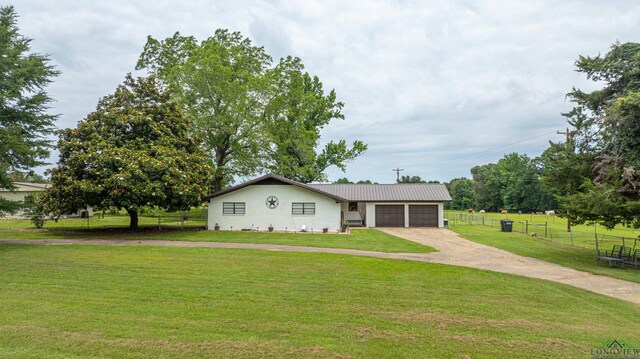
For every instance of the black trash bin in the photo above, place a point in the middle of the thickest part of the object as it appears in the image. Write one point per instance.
(506, 225)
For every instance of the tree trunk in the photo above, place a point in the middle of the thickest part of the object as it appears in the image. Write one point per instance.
(133, 214)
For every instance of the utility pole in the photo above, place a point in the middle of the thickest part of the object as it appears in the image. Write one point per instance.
(569, 150)
(397, 171)
(566, 133)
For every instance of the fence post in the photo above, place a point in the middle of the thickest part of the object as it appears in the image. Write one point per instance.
(571, 236)
(483, 220)
(545, 228)
(526, 223)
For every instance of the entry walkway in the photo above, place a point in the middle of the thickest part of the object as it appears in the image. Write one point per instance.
(453, 250)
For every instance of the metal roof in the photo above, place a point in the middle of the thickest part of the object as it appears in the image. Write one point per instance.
(27, 187)
(401, 192)
(279, 179)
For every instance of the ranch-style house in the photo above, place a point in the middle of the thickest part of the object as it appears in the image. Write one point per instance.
(283, 204)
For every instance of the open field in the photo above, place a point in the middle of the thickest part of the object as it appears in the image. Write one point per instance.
(87, 301)
(569, 256)
(555, 222)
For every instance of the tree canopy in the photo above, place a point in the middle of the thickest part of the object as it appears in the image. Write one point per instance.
(462, 195)
(253, 116)
(411, 179)
(24, 121)
(513, 183)
(135, 150)
(606, 129)
(345, 180)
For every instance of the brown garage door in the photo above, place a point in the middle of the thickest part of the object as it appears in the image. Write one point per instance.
(388, 215)
(423, 216)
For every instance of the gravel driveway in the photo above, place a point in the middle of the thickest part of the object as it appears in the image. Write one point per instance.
(455, 250)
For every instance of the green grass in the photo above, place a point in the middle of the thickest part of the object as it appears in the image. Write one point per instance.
(556, 223)
(574, 257)
(363, 239)
(109, 221)
(92, 301)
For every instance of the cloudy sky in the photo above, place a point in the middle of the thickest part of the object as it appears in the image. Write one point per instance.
(434, 87)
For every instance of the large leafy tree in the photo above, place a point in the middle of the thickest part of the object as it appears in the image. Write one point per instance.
(462, 195)
(253, 116)
(606, 126)
(521, 187)
(296, 113)
(221, 86)
(135, 150)
(513, 183)
(563, 169)
(24, 121)
(486, 193)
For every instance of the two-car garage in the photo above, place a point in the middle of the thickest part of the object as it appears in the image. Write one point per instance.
(419, 215)
(391, 205)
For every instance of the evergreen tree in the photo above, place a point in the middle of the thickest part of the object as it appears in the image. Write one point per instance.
(24, 121)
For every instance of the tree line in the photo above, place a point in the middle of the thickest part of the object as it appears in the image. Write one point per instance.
(513, 183)
(593, 176)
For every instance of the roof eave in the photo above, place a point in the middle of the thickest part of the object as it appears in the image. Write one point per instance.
(276, 177)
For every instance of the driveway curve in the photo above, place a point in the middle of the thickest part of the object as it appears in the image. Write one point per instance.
(453, 250)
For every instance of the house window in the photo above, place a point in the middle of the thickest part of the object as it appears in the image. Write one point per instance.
(300, 208)
(353, 206)
(233, 208)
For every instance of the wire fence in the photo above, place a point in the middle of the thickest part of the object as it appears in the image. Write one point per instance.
(183, 220)
(591, 240)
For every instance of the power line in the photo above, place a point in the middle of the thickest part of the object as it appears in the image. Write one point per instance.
(491, 149)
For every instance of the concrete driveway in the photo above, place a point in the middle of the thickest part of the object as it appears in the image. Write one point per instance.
(455, 250)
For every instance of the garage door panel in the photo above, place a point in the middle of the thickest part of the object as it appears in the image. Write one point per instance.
(423, 216)
(390, 215)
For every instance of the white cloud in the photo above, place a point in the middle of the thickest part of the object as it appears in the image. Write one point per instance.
(432, 86)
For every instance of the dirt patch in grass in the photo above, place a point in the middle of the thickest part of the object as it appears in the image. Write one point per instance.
(444, 321)
(447, 320)
(364, 334)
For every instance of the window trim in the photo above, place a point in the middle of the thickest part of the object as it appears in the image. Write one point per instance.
(308, 209)
(237, 208)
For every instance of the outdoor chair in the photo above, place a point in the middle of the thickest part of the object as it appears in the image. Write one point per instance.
(625, 253)
(633, 259)
(613, 257)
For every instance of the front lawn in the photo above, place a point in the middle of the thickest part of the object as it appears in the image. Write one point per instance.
(569, 256)
(149, 302)
(362, 239)
(368, 239)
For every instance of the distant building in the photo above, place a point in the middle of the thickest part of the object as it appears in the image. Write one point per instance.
(22, 189)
